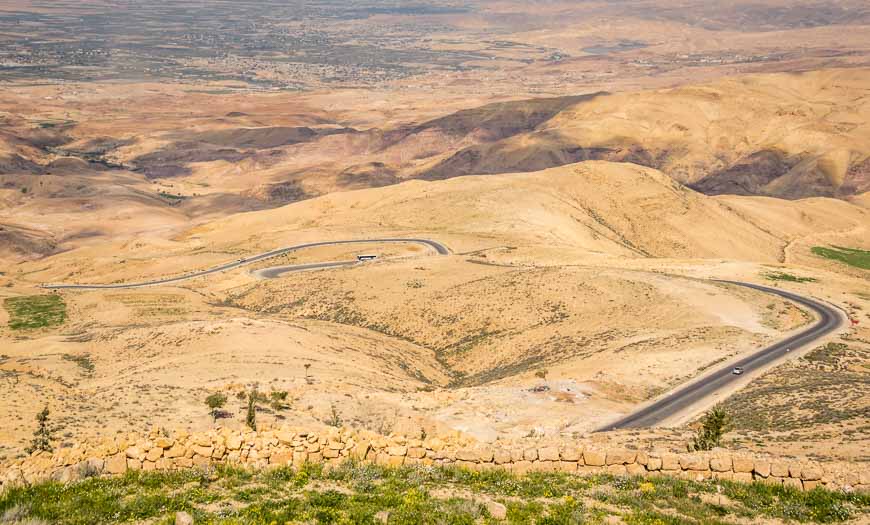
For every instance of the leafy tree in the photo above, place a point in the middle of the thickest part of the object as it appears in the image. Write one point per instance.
(714, 424)
(215, 402)
(43, 435)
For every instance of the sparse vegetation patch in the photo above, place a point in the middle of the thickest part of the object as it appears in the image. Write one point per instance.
(821, 396)
(171, 196)
(84, 362)
(35, 311)
(851, 256)
(364, 493)
(787, 277)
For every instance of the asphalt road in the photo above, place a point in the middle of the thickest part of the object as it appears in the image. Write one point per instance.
(439, 248)
(277, 271)
(829, 319)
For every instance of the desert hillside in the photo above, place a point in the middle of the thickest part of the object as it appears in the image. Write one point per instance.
(584, 211)
(597, 207)
(610, 238)
(785, 135)
(562, 272)
(143, 166)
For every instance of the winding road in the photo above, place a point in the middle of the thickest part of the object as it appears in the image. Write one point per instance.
(668, 406)
(439, 248)
(681, 399)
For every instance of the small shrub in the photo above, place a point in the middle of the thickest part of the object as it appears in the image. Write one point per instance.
(215, 402)
(278, 400)
(714, 424)
(251, 416)
(334, 418)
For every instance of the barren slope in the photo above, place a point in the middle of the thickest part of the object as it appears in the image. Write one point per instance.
(595, 207)
(787, 135)
(588, 272)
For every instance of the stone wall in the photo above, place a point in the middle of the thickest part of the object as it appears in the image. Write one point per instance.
(164, 451)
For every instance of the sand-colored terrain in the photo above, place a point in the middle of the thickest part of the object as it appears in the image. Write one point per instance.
(588, 279)
(156, 160)
(590, 166)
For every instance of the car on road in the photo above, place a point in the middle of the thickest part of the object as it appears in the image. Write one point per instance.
(738, 370)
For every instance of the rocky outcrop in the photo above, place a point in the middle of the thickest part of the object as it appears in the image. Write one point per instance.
(286, 446)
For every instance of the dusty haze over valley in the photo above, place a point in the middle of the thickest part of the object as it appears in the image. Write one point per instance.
(554, 193)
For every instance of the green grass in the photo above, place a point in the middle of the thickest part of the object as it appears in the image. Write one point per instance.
(851, 256)
(35, 311)
(362, 493)
(782, 276)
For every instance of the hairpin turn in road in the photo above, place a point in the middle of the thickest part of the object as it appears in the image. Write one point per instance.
(668, 406)
(439, 248)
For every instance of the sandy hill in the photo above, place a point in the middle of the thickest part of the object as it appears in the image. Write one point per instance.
(17, 243)
(587, 210)
(142, 167)
(785, 135)
(596, 207)
(593, 272)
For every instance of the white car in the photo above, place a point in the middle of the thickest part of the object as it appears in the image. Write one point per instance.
(738, 370)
